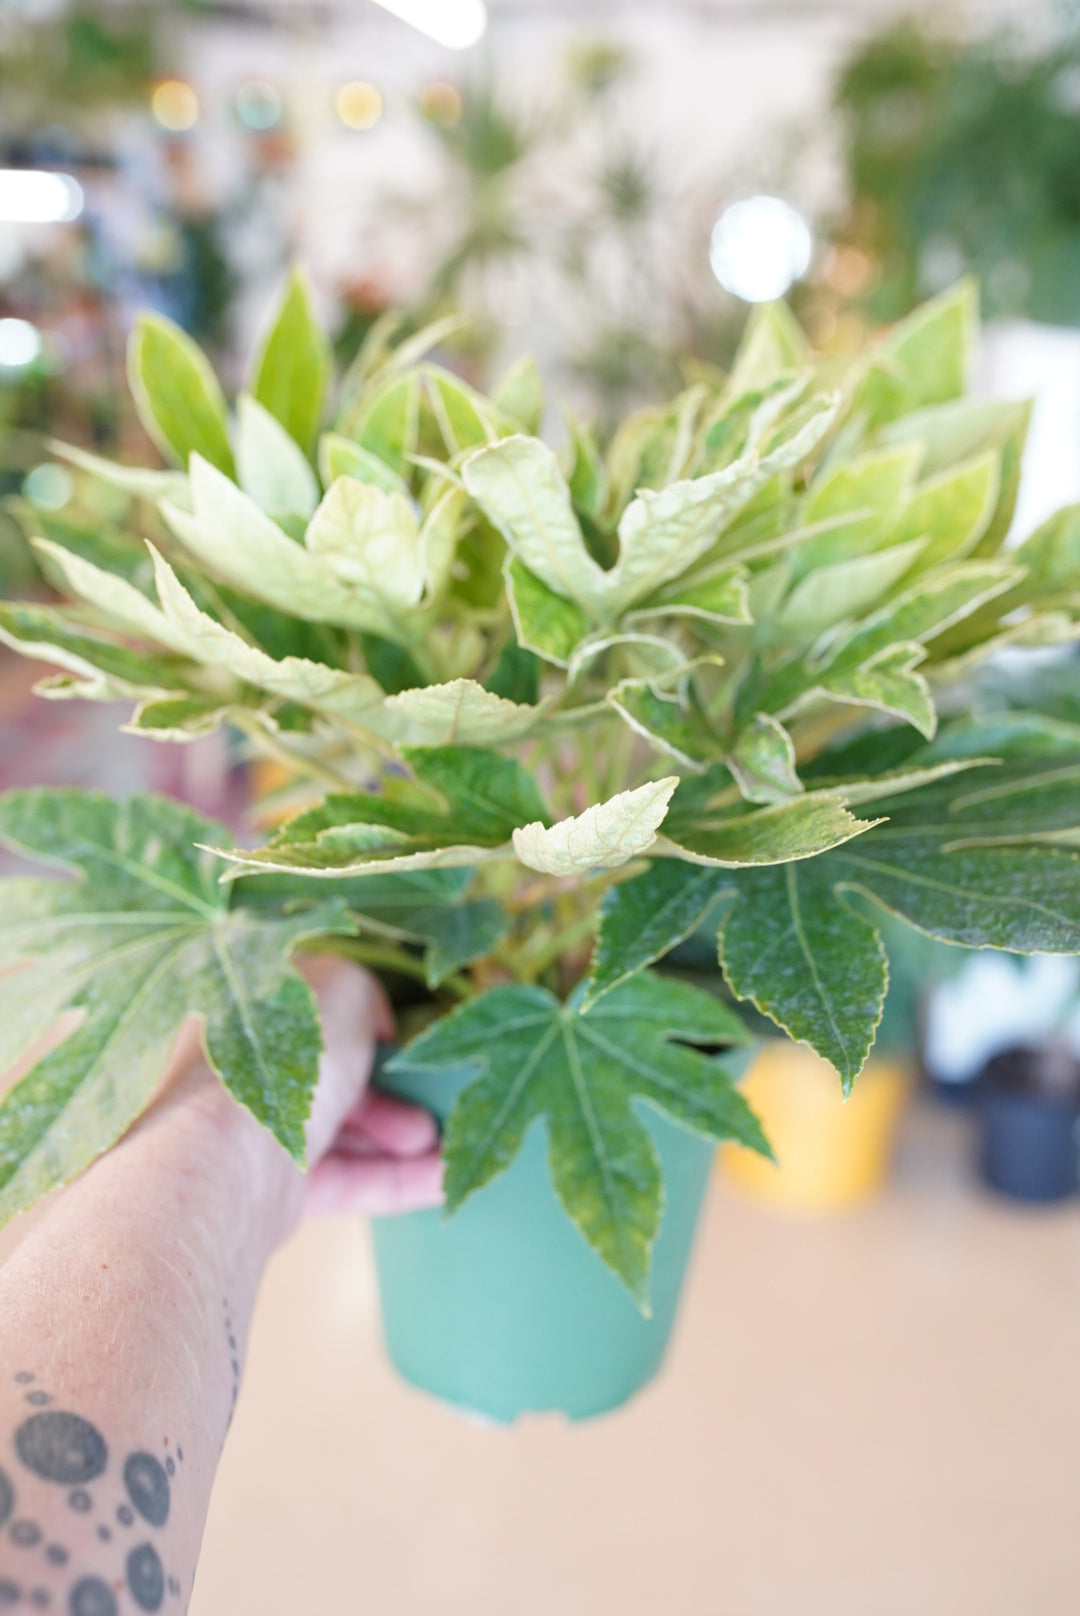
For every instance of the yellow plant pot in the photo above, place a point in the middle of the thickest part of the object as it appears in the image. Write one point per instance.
(829, 1152)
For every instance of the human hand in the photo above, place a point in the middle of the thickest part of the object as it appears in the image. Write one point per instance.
(368, 1154)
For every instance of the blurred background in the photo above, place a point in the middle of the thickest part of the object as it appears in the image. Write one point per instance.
(872, 1404)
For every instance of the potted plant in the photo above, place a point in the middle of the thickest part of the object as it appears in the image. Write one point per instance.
(540, 719)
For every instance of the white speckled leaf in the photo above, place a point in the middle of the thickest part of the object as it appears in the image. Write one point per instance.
(609, 834)
(143, 938)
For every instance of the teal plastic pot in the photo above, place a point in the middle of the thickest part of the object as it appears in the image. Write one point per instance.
(503, 1309)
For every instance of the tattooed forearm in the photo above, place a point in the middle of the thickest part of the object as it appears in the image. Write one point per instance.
(122, 1500)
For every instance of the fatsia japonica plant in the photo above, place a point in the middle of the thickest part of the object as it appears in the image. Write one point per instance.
(538, 718)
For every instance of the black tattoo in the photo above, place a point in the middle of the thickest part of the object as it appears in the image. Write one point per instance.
(145, 1577)
(92, 1597)
(234, 1362)
(62, 1448)
(66, 1449)
(147, 1487)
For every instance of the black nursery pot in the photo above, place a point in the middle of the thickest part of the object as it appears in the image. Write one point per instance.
(1030, 1105)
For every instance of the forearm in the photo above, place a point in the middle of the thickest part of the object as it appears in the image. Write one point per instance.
(124, 1323)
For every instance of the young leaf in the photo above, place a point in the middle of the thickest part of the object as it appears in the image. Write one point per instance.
(354, 698)
(545, 622)
(466, 419)
(234, 540)
(763, 762)
(887, 681)
(270, 465)
(582, 1073)
(588, 480)
(844, 589)
(138, 482)
(719, 596)
(520, 489)
(866, 491)
(103, 670)
(468, 802)
(292, 368)
(370, 542)
(951, 511)
(796, 829)
(671, 723)
(340, 457)
(662, 534)
(609, 834)
(931, 349)
(386, 421)
(143, 938)
(520, 394)
(178, 397)
(461, 713)
(772, 346)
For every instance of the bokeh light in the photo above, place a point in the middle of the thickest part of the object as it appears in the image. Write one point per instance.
(48, 486)
(759, 248)
(359, 104)
(441, 104)
(457, 24)
(20, 344)
(175, 105)
(258, 105)
(38, 196)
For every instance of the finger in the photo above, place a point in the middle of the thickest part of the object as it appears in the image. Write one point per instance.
(354, 1011)
(395, 1126)
(374, 1186)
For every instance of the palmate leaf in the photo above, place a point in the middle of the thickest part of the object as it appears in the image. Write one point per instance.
(430, 908)
(142, 938)
(989, 861)
(537, 1058)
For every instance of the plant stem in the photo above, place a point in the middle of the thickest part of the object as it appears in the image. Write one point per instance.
(561, 943)
(385, 957)
(299, 762)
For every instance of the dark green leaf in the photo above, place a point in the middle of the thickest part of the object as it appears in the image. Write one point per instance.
(582, 1072)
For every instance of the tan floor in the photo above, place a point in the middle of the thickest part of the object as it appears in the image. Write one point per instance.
(869, 1415)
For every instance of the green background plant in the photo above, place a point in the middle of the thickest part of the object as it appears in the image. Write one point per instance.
(731, 669)
(961, 155)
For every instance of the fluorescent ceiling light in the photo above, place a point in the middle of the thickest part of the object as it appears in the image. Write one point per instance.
(454, 23)
(759, 248)
(36, 196)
